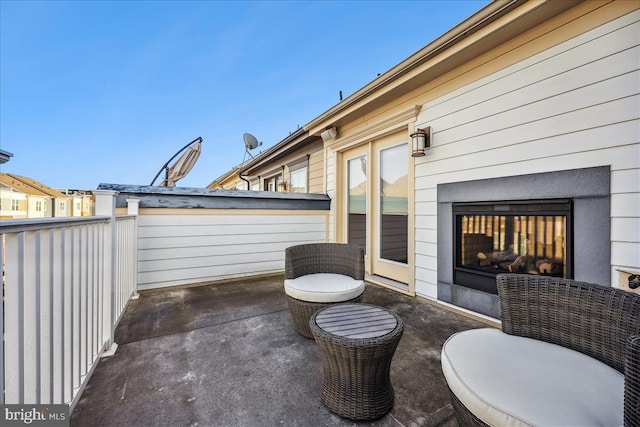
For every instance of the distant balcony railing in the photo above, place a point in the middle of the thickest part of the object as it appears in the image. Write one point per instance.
(66, 282)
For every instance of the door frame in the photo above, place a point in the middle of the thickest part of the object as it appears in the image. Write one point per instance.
(367, 145)
(381, 266)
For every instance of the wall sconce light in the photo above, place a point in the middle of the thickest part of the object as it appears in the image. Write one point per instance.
(282, 186)
(420, 140)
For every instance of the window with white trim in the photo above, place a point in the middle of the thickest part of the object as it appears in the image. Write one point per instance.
(299, 175)
(299, 181)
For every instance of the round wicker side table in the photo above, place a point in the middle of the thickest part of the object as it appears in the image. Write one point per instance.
(301, 312)
(357, 343)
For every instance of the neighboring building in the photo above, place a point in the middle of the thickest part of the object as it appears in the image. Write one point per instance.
(88, 203)
(13, 203)
(60, 205)
(533, 112)
(229, 181)
(20, 200)
(295, 164)
(40, 201)
(82, 202)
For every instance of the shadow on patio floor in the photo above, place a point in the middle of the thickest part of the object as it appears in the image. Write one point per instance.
(228, 355)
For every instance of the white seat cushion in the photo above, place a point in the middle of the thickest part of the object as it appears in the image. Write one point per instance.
(507, 380)
(323, 287)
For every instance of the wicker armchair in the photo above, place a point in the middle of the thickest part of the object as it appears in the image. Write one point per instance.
(321, 274)
(601, 322)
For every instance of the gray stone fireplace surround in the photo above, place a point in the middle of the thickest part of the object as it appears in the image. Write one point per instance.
(588, 188)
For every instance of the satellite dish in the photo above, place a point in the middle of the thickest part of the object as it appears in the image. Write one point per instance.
(250, 141)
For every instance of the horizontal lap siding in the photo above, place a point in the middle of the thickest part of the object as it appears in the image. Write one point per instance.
(575, 105)
(331, 192)
(316, 172)
(186, 249)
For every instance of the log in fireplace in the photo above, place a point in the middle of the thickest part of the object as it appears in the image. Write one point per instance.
(532, 237)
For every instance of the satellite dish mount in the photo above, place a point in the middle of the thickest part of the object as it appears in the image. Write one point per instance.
(250, 143)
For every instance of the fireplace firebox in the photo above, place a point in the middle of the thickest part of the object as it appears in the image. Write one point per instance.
(532, 237)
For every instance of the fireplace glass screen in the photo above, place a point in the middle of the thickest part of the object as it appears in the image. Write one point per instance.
(512, 237)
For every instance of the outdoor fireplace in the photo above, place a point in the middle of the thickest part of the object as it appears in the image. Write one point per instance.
(529, 237)
(518, 208)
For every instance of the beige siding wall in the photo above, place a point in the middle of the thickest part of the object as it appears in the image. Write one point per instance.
(236, 184)
(233, 183)
(192, 246)
(575, 104)
(38, 206)
(274, 167)
(316, 172)
(7, 203)
(331, 192)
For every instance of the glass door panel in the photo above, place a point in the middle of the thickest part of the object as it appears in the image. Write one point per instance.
(394, 208)
(375, 198)
(357, 201)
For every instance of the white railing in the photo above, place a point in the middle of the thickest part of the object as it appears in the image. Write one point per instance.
(66, 282)
(126, 265)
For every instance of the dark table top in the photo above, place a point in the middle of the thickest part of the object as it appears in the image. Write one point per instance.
(355, 321)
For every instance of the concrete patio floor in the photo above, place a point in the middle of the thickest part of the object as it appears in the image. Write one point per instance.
(228, 355)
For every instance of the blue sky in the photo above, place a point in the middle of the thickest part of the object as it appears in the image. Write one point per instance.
(107, 91)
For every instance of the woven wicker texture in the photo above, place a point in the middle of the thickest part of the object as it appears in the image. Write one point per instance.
(301, 312)
(632, 383)
(599, 321)
(356, 382)
(312, 258)
(464, 417)
(592, 319)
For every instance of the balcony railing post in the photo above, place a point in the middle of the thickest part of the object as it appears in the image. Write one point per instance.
(106, 205)
(133, 207)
